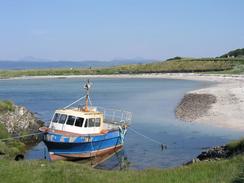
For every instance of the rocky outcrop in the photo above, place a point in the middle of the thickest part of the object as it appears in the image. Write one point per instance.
(218, 153)
(17, 121)
(194, 106)
(20, 121)
(214, 153)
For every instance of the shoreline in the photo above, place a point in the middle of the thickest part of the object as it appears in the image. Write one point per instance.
(180, 76)
(226, 112)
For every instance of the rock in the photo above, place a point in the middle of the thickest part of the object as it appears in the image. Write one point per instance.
(20, 121)
(214, 153)
(194, 106)
(194, 160)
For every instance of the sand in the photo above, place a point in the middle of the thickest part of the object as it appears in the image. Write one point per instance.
(228, 110)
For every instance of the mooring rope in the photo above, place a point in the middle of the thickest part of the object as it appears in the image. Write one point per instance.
(163, 146)
(17, 137)
(74, 102)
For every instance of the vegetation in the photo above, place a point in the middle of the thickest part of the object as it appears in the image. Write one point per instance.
(174, 58)
(234, 53)
(171, 66)
(230, 63)
(3, 132)
(10, 148)
(6, 105)
(226, 170)
(230, 170)
(236, 146)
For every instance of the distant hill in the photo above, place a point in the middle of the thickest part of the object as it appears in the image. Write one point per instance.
(234, 53)
(24, 64)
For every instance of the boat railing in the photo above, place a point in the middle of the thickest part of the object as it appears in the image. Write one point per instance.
(111, 116)
(115, 116)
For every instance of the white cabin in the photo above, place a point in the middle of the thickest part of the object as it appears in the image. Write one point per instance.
(78, 121)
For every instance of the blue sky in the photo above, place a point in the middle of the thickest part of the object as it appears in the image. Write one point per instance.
(112, 29)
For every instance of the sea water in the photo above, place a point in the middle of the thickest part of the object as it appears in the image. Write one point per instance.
(152, 102)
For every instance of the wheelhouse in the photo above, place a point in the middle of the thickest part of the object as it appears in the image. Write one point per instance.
(77, 121)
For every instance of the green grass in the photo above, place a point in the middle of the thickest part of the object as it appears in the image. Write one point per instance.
(230, 170)
(236, 146)
(9, 149)
(228, 65)
(3, 132)
(6, 105)
(175, 65)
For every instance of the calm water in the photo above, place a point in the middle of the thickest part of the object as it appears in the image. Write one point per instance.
(152, 102)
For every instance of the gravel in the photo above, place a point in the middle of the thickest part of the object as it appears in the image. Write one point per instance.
(194, 106)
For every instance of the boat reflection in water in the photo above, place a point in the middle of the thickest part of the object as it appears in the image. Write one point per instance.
(115, 160)
(118, 161)
(111, 161)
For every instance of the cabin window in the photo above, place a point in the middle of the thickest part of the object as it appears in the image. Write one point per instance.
(71, 120)
(62, 118)
(91, 122)
(97, 122)
(56, 117)
(79, 122)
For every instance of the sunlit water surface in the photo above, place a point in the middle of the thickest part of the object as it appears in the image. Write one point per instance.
(152, 102)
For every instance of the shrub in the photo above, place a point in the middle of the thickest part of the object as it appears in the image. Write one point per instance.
(3, 131)
(236, 146)
(6, 105)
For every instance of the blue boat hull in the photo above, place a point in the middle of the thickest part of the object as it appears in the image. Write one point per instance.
(69, 147)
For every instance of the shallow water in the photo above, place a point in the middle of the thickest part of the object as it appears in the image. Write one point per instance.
(152, 102)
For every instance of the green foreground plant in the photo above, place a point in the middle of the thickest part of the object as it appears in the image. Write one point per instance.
(6, 105)
(42, 171)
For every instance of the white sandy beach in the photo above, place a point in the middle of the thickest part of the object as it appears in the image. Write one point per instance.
(227, 112)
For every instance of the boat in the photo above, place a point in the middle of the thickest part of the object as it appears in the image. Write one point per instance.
(85, 131)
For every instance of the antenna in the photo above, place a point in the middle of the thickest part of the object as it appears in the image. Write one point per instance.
(87, 88)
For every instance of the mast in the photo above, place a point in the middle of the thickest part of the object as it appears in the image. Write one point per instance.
(87, 88)
(86, 104)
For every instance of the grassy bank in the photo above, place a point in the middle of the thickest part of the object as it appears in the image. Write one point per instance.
(10, 148)
(225, 170)
(224, 65)
(230, 170)
(5, 106)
